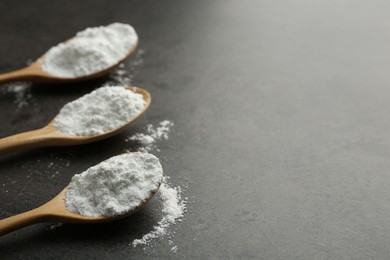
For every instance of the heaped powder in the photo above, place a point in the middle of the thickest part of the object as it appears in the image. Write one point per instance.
(115, 186)
(90, 51)
(100, 111)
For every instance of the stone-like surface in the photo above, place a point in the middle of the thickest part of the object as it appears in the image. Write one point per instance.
(281, 118)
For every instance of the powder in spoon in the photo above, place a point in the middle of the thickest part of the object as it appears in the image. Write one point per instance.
(115, 186)
(90, 51)
(100, 111)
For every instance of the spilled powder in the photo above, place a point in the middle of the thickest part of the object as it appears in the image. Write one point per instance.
(119, 76)
(21, 92)
(152, 135)
(173, 205)
(173, 208)
(55, 225)
(124, 74)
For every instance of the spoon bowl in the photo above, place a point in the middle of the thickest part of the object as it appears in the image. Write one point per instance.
(36, 74)
(56, 211)
(51, 136)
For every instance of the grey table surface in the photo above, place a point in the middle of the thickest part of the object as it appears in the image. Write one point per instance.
(281, 136)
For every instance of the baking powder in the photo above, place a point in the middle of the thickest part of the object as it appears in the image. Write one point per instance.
(100, 111)
(115, 186)
(90, 51)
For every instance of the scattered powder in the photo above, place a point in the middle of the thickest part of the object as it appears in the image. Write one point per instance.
(55, 225)
(115, 186)
(124, 74)
(119, 76)
(55, 174)
(173, 208)
(55, 164)
(134, 64)
(174, 249)
(152, 135)
(21, 91)
(100, 111)
(173, 205)
(91, 51)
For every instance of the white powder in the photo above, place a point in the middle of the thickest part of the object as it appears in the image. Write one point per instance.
(173, 206)
(124, 74)
(91, 51)
(55, 225)
(115, 186)
(174, 249)
(173, 210)
(119, 76)
(100, 111)
(21, 92)
(152, 135)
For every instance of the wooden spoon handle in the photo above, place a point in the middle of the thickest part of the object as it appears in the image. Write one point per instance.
(25, 74)
(28, 140)
(13, 223)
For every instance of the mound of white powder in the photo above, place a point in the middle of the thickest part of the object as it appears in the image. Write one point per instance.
(115, 186)
(91, 51)
(100, 111)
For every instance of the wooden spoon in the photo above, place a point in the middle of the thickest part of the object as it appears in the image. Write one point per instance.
(36, 74)
(51, 136)
(55, 211)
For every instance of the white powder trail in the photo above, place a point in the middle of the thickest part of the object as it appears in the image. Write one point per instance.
(173, 208)
(124, 74)
(119, 76)
(21, 92)
(173, 205)
(152, 135)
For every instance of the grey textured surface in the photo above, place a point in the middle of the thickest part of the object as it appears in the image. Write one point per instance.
(281, 112)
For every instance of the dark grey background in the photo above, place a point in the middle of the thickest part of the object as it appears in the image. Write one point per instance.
(281, 112)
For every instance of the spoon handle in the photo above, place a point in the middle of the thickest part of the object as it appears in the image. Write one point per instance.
(13, 223)
(25, 74)
(28, 140)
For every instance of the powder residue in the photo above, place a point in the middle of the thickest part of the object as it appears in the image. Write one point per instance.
(173, 208)
(55, 225)
(151, 135)
(173, 205)
(119, 76)
(124, 74)
(90, 51)
(100, 111)
(21, 92)
(115, 186)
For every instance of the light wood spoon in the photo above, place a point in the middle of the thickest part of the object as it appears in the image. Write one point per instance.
(51, 136)
(35, 73)
(55, 211)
